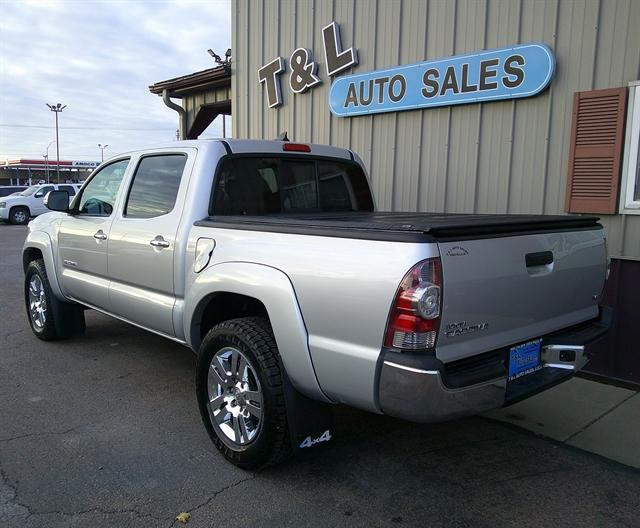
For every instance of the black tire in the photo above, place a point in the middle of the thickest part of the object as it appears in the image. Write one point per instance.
(253, 337)
(62, 320)
(19, 215)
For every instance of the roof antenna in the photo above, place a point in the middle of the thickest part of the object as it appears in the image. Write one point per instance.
(282, 136)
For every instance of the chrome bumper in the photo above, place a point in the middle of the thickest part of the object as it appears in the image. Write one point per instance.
(419, 388)
(421, 396)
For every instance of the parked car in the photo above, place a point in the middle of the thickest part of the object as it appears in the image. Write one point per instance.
(17, 209)
(268, 260)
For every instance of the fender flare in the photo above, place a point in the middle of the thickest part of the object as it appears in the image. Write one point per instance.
(42, 241)
(274, 290)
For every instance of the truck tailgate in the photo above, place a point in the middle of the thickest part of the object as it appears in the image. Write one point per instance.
(505, 290)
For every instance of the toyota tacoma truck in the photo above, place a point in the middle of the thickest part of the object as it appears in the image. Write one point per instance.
(269, 261)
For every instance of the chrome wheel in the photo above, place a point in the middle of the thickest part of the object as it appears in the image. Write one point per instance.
(235, 397)
(37, 302)
(20, 217)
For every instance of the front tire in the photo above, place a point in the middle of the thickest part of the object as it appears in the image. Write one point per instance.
(240, 393)
(19, 215)
(49, 318)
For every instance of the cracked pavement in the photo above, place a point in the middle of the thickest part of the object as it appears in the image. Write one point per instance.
(104, 430)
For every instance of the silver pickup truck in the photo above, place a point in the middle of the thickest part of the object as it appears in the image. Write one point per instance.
(268, 260)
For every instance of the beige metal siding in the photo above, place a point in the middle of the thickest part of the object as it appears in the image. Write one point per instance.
(508, 156)
(191, 103)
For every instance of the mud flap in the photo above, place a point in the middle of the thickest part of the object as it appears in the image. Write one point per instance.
(310, 421)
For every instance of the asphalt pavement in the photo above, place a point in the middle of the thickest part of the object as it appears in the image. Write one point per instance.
(104, 430)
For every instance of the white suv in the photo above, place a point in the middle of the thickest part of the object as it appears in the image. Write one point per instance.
(19, 208)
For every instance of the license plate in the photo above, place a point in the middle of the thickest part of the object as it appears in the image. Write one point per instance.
(524, 359)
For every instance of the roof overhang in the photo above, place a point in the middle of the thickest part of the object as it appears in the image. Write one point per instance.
(195, 82)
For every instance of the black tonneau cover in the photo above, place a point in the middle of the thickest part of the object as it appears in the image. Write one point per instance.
(403, 227)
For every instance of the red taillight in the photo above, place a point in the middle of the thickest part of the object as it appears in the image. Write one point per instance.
(296, 147)
(414, 319)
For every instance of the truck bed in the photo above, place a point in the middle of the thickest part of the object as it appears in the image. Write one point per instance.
(403, 227)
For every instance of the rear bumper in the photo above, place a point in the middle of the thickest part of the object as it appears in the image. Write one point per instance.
(423, 389)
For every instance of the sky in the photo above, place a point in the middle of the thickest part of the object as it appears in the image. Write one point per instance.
(99, 57)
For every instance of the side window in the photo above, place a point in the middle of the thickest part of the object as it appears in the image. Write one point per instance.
(42, 192)
(155, 186)
(69, 188)
(99, 195)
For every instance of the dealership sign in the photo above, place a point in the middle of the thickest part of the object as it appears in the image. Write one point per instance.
(505, 73)
(303, 68)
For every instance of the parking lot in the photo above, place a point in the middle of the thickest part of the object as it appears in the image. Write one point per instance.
(105, 431)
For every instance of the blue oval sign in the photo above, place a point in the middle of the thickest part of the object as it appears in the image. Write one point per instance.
(506, 73)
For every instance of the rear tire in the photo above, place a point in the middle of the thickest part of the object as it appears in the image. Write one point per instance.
(240, 393)
(19, 215)
(49, 318)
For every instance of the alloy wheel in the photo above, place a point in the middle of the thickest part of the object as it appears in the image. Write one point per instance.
(235, 397)
(37, 302)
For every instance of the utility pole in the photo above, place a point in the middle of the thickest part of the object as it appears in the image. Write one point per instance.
(46, 159)
(102, 147)
(57, 109)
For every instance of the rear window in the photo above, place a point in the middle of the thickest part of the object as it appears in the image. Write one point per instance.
(276, 185)
(69, 188)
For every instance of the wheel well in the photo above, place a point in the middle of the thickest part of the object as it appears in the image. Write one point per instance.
(223, 306)
(21, 207)
(29, 255)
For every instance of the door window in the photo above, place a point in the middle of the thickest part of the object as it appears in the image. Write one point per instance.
(155, 186)
(99, 195)
(44, 190)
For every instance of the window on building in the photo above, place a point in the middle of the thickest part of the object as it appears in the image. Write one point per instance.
(256, 186)
(630, 195)
(155, 186)
(99, 195)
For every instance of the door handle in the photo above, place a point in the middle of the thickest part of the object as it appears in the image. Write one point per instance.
(542, 258)
(159, 242)
(100, 235)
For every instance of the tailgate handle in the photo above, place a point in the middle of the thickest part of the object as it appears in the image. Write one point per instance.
(541, 258)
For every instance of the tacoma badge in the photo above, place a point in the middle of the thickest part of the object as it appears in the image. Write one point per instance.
(456, 329)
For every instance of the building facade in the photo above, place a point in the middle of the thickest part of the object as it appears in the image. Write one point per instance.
(511, 155)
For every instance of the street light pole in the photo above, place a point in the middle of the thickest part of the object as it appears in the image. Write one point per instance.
(46, 159)
(57, 109)
(102, 147)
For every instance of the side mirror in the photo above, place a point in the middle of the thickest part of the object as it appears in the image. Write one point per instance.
(57, 201)
(38, 194)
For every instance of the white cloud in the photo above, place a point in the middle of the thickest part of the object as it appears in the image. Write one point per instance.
(98, 58)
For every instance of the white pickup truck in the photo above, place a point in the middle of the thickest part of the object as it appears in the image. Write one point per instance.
(267, 259)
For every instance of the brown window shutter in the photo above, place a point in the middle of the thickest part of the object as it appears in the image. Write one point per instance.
(597, 136)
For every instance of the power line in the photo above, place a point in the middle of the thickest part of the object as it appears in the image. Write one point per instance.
(6, 125)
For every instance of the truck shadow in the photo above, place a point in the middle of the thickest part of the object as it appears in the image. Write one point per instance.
(122, 425)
